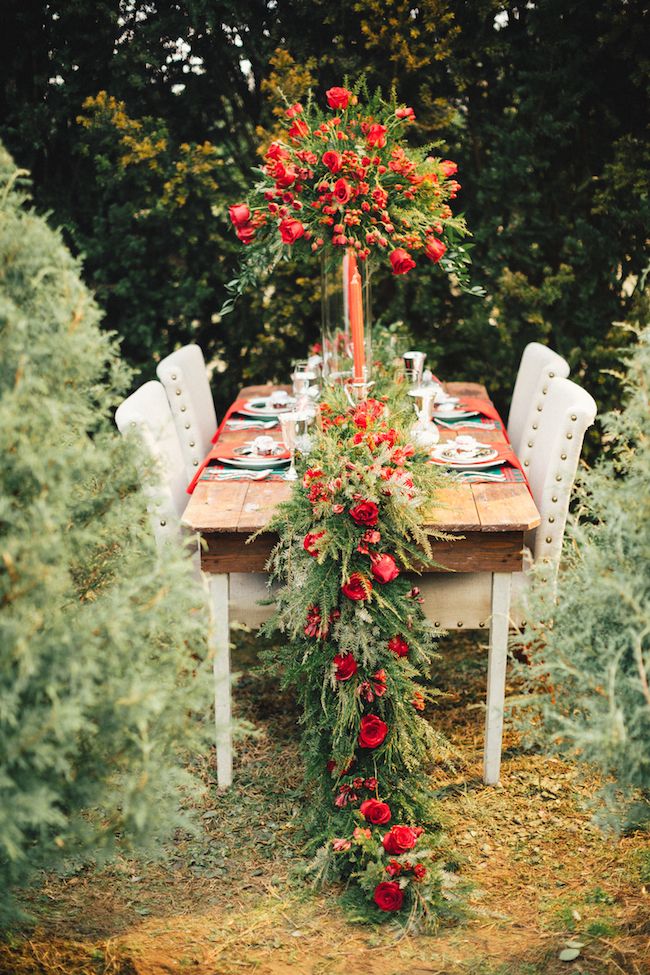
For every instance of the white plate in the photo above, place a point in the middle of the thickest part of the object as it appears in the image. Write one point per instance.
(262, 406)
(487, 457)
(253, 463)
(443, 414)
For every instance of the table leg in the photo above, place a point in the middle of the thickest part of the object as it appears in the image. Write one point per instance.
(496, 677)
(220, 640)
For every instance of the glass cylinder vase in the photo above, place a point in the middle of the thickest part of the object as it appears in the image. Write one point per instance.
(337, 298)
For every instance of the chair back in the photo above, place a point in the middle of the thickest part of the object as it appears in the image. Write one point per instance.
(538, 365)
(556, 436)
(185, 379)
(146, 412)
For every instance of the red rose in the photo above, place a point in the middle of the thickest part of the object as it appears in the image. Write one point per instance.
(294, 110)
(434, 249)
(337, 97)
(388, 896)
(448, 167)
(239, 214)
(342, 191)
(246, 233)
(283, 175)
(393, 868)
(398, 840)
(332, 160)
(346, 666)
(401, 261)
(309, 542)
(375, 812)
(420, 871)
(384, 568)
(372, 732)
(358, 587)
(377, 136)
(365, 513)
(291, 230)
(276, 152)
(398, 645)
(406, 113)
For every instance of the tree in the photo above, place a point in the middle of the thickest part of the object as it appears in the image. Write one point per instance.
(588, 688)
(102, 638)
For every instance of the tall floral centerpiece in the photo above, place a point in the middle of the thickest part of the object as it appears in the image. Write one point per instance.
(342, 182)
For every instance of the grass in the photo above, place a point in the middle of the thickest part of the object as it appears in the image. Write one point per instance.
(542, 876)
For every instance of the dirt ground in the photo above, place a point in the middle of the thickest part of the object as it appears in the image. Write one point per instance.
(543, 877)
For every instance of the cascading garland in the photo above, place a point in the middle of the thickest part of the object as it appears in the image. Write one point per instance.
(358, 645)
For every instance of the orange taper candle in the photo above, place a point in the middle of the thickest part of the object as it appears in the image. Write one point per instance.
(356, 326)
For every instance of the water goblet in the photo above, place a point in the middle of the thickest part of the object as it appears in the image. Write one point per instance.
(289, 425)
(413, 366)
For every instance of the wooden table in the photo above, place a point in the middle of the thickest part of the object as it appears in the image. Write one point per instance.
(488, 520)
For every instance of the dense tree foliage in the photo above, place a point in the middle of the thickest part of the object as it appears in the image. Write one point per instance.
(541, 104)
(588, 689)
(102, 638)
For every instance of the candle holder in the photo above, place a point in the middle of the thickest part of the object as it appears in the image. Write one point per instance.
(357, 392)
(336, 337)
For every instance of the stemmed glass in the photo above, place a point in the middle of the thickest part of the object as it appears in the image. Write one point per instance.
(288, 422)
(413, 366)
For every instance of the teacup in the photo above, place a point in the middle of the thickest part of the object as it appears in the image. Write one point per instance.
(263, 446)
(280, 399)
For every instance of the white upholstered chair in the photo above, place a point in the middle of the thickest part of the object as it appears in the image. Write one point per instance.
(538, 365)
(185, 379)
(146, 412)
(482, 601)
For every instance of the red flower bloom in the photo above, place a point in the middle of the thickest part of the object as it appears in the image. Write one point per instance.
(346, 666)
(434, 249)
(246, 233)
(377, 136)
(239, 214)
(337, 97)
(420, 871)
(298, 130)
(383, 567)
(332, 160)
(398, 840)
(291, 230)
(393, 868)
(283, 175)
(342, 191)
(398, 645)
(375, 812)
(309, 542)
(365, 513)
(372, 731)
(358, 587)
(406, 113)
(371, 536)
(418, 701)
(371, 783)
(379, 683)
(276, 152)
(294, 110)
(388, 896)
(401, 261)
(448, 167)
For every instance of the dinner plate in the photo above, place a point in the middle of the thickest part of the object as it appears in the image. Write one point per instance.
(483, 457)
(454, 414)
(253, 463)
(262, 406)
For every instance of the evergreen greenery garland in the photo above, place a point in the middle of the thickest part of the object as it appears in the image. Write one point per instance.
(356, 646)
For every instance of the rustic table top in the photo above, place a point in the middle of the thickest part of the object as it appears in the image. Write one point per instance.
(246, 506)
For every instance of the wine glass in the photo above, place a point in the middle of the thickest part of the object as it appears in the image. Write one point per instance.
(288, 422)
(413, 366)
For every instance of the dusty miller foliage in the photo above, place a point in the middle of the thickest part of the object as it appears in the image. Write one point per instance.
(331, 709)
(588, 688)
(102, 639)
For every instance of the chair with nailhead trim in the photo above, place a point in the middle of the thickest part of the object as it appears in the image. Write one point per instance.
(538, 366)
(146, 412)
(185, 379)
(491, 601)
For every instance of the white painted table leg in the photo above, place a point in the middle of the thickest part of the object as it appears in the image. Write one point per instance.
(220, 641)
(496, 677)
